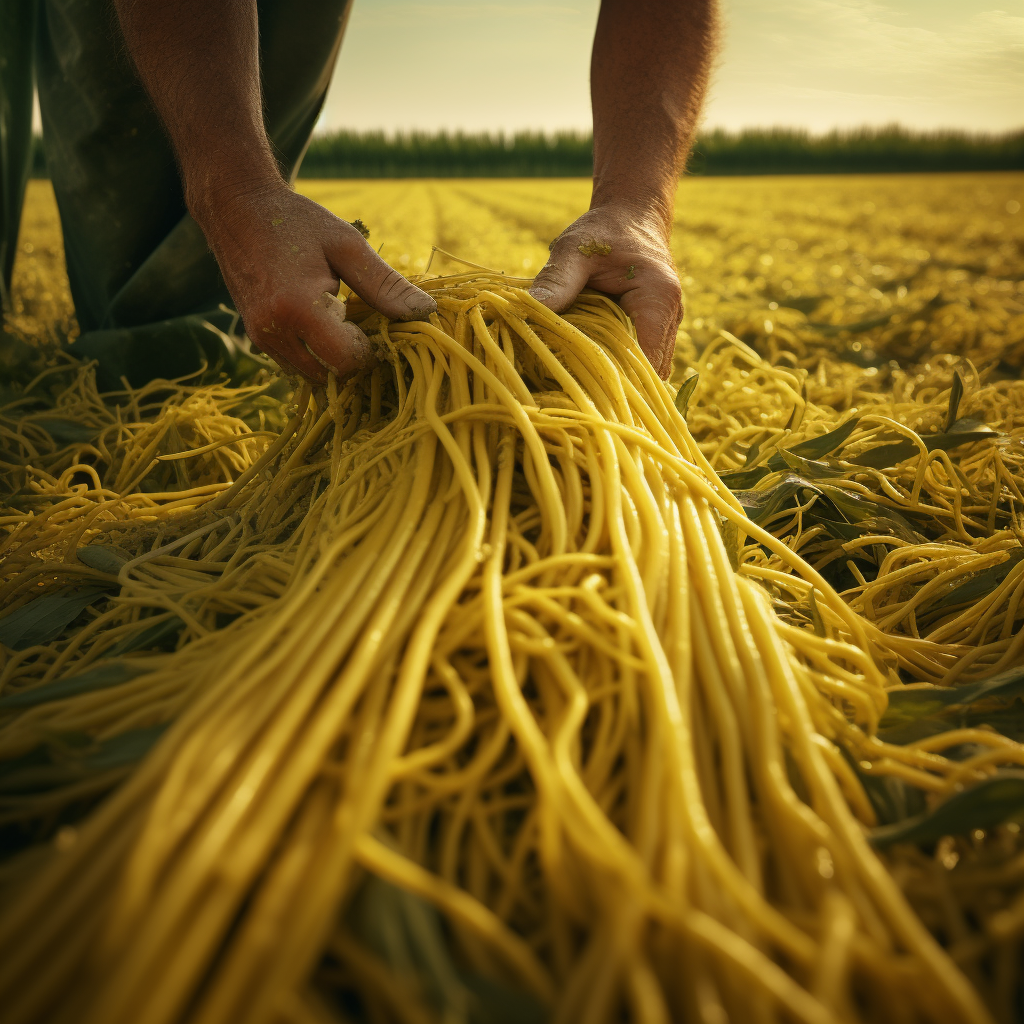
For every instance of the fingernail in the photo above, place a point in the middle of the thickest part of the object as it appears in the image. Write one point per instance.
(541, 294)
(335, 307)
(419, 304)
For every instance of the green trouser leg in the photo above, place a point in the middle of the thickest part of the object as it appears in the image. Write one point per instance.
(17, 56)
(145, 285)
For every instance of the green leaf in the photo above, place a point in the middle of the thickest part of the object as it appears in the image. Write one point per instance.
(844, 514)
(405, 931)
(127, 748)
(956, 392)
(839, 529)
(844, 530)
(893, 799)
(816, 620)
(146, 638)
(685, 393)
(100, 678)
(73, 759)
(971, 425)
(752, 453)
(45, 618)
(917, 702)
(64, 430)
(923, 701)
(731, 539)
(809, 468)
(797, 405)
(877, 321)
(962, 432)
(858, 509)
(886, 456)
(408, 934)
(803, 303)
(825, 444)
(991, 802)
(174, 444)
(1004, 686)
(102, 558)
(976, 585)
(830, 330)
(744, 479)
(801, 458)
(493, 1003)
(761, 505)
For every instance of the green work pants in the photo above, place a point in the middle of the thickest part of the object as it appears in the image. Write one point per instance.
(143, 280)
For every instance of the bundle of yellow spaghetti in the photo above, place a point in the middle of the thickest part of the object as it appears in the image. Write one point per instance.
(484, 624)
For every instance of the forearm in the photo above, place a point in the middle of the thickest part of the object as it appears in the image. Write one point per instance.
(199, 62)
(648, 78)
(282, 255)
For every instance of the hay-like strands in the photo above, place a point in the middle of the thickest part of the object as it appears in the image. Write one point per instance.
(490, 647)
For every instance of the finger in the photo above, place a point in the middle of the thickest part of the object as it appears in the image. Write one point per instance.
(656, 317)
(296, 360)
(284, 347)
(561, 279)
(670, 351)
(335, 342)
(670, 348)
(355, 262)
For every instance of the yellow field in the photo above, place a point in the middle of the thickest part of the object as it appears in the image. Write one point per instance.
(835, 607)
(760, 257)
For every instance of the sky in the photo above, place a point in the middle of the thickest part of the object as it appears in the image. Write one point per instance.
(815, 64)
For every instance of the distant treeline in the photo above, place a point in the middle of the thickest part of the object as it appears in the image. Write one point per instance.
(862, 150)
(569, 154)
(348, 154)
(442, 155)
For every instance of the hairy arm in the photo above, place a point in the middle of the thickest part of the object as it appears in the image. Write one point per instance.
(648, 77)
(282, 256)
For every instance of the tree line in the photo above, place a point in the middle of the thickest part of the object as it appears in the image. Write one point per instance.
(348, 154)
(375, 154)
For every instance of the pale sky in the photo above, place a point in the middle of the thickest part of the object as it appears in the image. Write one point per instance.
(817, 64)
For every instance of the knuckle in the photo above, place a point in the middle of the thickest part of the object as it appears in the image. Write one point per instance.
(557, 271)
(391, 285)
(665, 279)
(565, 246)
(350, 236)
(549, 275)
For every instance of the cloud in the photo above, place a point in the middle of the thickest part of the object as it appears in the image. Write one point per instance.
(867, 37)
(925, 62)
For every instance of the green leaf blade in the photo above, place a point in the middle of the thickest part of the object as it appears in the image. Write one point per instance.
(45, 618)
(99, 678)
(685, 393)
(825, 444)
(991, 802)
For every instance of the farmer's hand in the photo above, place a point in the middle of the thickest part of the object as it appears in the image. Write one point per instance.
(623, 251)
(282, 257)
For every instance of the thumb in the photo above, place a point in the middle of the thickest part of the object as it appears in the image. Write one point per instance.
(386, 290)
(561, 279)
(336, 342)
